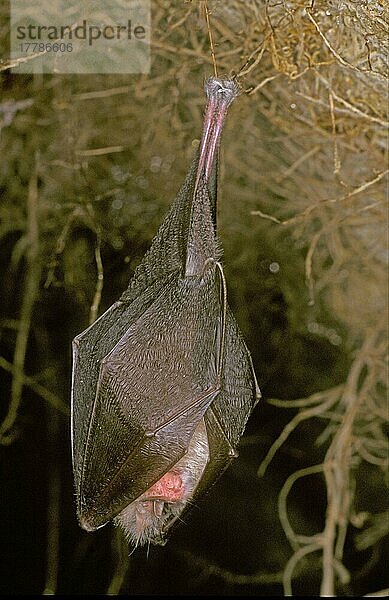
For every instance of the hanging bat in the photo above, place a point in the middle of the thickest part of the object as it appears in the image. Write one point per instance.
(163, 382)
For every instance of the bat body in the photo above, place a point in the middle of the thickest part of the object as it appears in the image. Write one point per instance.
(163, 383)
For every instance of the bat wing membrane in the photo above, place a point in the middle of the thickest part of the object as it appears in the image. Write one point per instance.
(153, 388)
(168, 354)
(89, 348)
(227, 415)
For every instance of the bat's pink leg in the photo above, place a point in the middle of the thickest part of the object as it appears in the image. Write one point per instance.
(220, 95)
(207, 129)
(219, 118)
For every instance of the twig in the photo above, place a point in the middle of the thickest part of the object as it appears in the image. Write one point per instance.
(333, 122)
(212, 570)
(350, 106)
(337, 467)
(100, 151)
(297, 163)
(263, 82)
(123, 89)
(179, 22)
(210, 37)
(99, 283)
(289, 428)
(60, 245)
(265, 216)
(186, 52)
(316, 398)
(332, 225)
(36, 387)
(31, 289)
(23, 59)
(346, 111)
(291, 565)
(250, 64)
(120, 549)
(53, 508)
(294, 539)
(354, 192)
(342, 60)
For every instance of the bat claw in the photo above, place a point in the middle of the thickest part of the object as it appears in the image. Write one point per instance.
(233, 453)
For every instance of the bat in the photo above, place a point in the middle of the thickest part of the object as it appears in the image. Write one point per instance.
(162, 382)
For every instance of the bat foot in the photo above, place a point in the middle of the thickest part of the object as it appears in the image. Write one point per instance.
(233, 453)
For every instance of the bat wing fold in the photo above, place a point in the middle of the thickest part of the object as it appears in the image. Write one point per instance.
(153, 388)
(89, 348)
(227, 415)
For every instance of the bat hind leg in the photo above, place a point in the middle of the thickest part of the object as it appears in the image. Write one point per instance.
(147, 518)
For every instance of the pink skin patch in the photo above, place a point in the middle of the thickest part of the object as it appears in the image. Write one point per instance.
(169, 488)
(144, 519)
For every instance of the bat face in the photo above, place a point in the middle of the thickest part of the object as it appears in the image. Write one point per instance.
(149, 516)
(163, 383)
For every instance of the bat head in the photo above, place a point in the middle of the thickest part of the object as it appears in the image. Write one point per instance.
(147, 518)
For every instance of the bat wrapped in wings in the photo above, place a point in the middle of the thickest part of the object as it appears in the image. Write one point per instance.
(163, 382)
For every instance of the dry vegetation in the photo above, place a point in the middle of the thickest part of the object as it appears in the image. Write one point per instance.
(306, 157)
